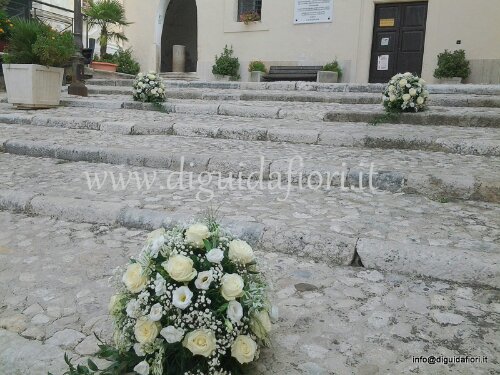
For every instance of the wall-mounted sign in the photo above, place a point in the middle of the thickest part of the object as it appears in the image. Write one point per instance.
(313, 11)
(384, 41)
(383, 62)
(387, 22)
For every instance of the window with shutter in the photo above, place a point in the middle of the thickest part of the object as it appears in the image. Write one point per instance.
(248, 6)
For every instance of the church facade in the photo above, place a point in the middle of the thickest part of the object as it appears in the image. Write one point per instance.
(371, 39)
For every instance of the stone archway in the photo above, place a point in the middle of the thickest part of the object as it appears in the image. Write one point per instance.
(180, 26)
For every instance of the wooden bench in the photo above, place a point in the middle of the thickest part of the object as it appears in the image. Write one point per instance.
(292, 73)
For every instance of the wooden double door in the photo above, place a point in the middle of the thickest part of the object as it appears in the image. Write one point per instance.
(398, 40)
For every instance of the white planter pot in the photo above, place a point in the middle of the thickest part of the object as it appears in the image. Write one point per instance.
(327, 77)
(256, 76)
(219, 77)
(33, 86)
(451, 80)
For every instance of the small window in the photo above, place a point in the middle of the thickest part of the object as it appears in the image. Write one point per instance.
(249, 10)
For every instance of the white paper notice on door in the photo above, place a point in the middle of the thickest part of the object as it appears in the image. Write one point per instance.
(383, 62)
(384, 42)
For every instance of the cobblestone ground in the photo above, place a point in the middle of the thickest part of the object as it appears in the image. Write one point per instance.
(54, 278)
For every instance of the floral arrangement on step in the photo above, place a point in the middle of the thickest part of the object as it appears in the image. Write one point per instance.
(149, 88)
(405, 93)
(192, 303)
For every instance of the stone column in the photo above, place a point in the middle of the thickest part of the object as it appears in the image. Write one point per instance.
(179, 59)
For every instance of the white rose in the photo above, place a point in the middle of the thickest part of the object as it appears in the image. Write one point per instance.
(140, 75)
(140, 84)
(138, 350)
(204, 280)
(406, 97)
(240, 252)
(151, 76)
(392, 98)
(234, 311)
(180, 268)
(420, 100)
(426, 93)
(134, 279)
(421, 81)
(172, 334)
(215, 255)
(413, 92)
(232, 286)
(160, 285)
(403, 82)
(407, 74)
(156, 312)
(243, 349)
(200, 342)
(195, 235)
(133, 308)
(142, 368)
(392, 88)
(260, 324)
(146, 330)
(181, 297)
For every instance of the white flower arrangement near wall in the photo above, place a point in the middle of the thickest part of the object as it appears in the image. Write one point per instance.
(149, 88)
(192, 303)
(405, 93)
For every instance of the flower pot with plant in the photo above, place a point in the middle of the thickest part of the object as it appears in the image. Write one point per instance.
(104, 63)
(257, 69)
(33, 64)
(226, 66)
(330, 73)
(452, 67)
(6, 26)
(108, 15)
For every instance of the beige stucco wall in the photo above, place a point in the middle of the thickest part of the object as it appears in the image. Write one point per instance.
(276, 40)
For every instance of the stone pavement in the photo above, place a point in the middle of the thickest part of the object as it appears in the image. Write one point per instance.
(332, 320)
(427, 236)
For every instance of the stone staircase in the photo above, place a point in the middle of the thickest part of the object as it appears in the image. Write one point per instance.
(418, 196)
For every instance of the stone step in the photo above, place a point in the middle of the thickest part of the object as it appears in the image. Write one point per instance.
(436, 175)
(368, 113)
(407, 233)
(465, 141)
(292, 96)
(377, 88)
(332, 320)
(178, 76)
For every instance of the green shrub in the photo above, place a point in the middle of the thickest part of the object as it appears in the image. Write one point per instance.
(54, 48)
(126, 63)
(32, 42)
(333, 67)
(226, 64)
(107, 58)
(257, 66)
(452, 64)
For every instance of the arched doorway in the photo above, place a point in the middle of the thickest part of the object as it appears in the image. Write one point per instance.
(180, 27)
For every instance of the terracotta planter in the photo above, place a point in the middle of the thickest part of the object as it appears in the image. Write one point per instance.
(33, 86)
(3, 44)
(107, 67)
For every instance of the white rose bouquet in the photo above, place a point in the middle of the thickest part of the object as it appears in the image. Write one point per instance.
(192, 303)
(148, 87)
(405, 93)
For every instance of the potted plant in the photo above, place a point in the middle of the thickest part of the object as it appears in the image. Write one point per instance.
(330, 73)
(6, 26)
(226, 66)
(257, 69)
(249, 17)
(452, 67)
(125, 61)
(104, 62)
(107, 15)
(33, 64)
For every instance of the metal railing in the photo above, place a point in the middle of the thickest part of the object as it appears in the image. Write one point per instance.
(58, 17)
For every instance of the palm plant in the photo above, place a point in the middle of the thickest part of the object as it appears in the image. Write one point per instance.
(106, 14)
